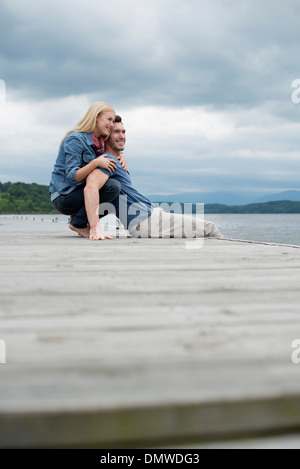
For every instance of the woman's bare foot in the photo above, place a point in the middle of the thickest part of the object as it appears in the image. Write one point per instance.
(84, 232)
(97, 233)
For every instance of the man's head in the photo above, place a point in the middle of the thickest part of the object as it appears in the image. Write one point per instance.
(117, 138)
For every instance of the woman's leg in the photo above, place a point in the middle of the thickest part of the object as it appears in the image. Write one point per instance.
(109, 192)
(73, 203)
(94, 182)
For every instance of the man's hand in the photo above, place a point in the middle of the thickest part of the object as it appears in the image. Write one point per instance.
(123, 161)
(105, 163)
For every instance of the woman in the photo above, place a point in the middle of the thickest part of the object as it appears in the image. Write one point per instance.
(81, 152)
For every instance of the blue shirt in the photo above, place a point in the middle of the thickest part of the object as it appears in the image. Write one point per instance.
(131, 206)
(75, 152)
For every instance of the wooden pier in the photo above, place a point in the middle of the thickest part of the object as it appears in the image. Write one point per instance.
(143, 343)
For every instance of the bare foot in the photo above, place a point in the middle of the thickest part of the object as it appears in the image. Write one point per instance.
(84, 232)
(97, 233)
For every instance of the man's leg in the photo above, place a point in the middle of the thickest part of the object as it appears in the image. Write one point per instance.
(150, 227)
(187, 226)
(110, 191)
(171, 225)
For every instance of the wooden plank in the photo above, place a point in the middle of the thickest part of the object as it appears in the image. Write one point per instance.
(286, 441)
(131, 427)
(130, 341)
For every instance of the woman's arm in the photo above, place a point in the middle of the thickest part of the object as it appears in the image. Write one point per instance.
(74, 169)
(123, 161)
(100, 162)
(83, 172)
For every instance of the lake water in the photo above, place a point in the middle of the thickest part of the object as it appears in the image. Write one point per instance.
(270, 228)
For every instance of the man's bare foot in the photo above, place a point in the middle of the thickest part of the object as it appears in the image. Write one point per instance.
(84, 232)
(97, 233)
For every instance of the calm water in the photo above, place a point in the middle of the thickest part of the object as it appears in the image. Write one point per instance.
(271, 228)
(279, 228)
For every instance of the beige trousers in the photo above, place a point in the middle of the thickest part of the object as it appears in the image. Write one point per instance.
(171, 225)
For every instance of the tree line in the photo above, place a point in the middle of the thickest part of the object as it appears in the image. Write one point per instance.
(282, 206)
(19, 197)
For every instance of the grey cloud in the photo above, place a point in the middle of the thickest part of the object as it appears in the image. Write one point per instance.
(217, 53)
(226, 55)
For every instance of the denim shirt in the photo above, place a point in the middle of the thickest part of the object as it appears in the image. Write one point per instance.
(76, 151)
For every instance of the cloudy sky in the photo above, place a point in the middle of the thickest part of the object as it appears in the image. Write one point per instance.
(204, 88)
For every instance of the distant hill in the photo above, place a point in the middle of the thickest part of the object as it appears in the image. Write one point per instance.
(226, 198)
(19, 197)
(284, 206)
(285, 195)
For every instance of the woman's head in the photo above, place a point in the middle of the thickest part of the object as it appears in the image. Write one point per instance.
(94, 114)
(97, 119)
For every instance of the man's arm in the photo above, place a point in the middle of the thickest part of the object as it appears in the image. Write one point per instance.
(100, 162)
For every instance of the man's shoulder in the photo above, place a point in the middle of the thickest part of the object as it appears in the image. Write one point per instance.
(112, 156)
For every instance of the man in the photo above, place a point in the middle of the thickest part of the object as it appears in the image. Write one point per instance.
(135, 211)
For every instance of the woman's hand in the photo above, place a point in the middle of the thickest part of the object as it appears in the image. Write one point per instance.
(105, 163)
(123, 161)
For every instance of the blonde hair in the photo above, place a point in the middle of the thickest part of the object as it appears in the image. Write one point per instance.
(88, 122)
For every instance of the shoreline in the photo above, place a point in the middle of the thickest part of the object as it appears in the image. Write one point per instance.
(264, 228)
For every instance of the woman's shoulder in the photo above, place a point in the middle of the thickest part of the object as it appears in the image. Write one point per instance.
(75, 134)
(82, 137)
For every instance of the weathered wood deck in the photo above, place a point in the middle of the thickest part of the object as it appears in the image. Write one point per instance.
(142, 342)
